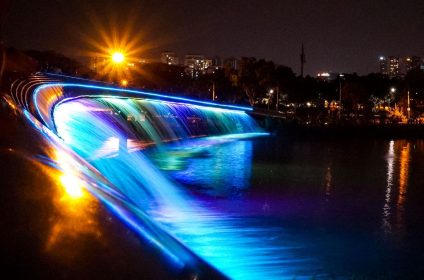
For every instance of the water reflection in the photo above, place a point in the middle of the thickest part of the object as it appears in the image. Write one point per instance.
(327, 183)
(239, 248)
(76, 209)
(390, 157)
(224, 171)
(403, 185)
(398, 155)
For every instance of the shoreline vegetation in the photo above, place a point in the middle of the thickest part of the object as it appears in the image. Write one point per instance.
(340, 130)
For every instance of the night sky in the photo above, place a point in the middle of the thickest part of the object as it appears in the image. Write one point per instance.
(342, 36)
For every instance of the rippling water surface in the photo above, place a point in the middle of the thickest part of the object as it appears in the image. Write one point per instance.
(347, 208)
(261, 208)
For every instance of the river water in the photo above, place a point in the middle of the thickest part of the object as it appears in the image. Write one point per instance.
(343, 209)
(260, 208)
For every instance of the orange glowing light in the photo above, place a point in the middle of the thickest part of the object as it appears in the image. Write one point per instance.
(118, 57)
(73, 185)
(403, 174)
(73, 218)
(124, 83)
(69, 179)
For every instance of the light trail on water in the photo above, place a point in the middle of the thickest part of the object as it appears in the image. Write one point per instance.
(118, 149)
(226, 243)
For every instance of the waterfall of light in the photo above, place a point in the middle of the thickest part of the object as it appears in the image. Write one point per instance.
(107, 131)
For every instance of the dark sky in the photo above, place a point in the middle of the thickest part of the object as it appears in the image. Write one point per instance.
(344, 36)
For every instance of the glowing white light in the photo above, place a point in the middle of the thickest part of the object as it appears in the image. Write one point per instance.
(117, 57)
(324, 74)
(73, 185)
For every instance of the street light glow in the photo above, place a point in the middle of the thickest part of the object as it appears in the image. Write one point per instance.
(117, 57)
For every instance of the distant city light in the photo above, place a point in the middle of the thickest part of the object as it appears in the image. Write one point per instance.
(324, 74)
(382, 58)
(392, 89)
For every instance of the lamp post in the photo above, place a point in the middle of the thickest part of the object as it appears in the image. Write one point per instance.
(409, 107)
(278, 98)
(340, 95)
(270, 93)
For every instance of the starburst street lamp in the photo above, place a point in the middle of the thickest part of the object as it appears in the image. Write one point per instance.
(116, 68)
(118, 57)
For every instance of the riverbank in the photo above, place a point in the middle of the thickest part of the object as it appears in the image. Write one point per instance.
(342, 130)
(49, 233)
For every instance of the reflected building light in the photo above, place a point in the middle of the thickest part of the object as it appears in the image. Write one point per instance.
(403, 185)
(386, 222)
(403, 174)
(327, 183)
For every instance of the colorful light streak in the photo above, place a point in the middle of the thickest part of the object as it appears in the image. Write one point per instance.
(136, 219)
(143, 197)
(75, 209)
(238, 251)
(50, 98)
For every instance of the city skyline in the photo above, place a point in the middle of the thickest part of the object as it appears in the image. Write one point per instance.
(339, 38)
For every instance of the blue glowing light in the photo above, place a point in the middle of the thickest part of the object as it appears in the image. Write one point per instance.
(239, 250)
(137, 93)
(127, 143)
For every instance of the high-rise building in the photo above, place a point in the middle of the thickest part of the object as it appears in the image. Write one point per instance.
(412, 62)
(169, 58)
(194, 61)
(393, 66)
(195, 64)
(383, 65)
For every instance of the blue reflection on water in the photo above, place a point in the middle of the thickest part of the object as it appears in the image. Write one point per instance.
(241, 247)
(218, 168)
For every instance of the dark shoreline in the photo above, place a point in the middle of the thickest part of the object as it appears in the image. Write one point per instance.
(343, 131)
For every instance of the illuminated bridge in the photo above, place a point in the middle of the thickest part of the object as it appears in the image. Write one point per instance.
(39, 94)
(87, 123)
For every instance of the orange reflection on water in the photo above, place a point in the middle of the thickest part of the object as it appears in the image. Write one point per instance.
(403, 174)
(403, 186)
(398, 157)
(75, 216)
